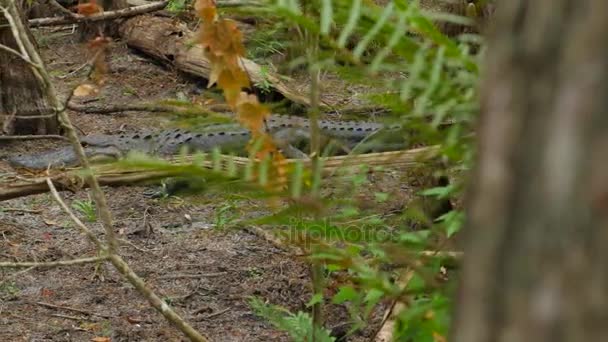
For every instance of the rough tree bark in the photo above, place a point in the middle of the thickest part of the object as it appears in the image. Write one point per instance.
(536, 261)
(21, 93)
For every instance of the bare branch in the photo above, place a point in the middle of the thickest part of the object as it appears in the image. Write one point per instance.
(83, 228)
(12, 23)
(144, 107)
(77, 18)
(12, 51)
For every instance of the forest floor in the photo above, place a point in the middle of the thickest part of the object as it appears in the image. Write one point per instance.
(183, 247)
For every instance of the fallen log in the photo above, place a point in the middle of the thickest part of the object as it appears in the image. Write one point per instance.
(115, 175)
(169, 41)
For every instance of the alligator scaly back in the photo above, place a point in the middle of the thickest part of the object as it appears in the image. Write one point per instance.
(232, 138)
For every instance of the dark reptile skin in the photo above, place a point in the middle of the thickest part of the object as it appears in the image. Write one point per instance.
(169, 142)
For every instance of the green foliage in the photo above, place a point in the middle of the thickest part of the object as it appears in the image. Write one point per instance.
(86, 208)
(299, 325)
(429, 82)
(224, 215)
(9, 290)
(177, 6)
(426, 79)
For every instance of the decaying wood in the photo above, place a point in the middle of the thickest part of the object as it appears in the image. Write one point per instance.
(113, 175)
(171, 42)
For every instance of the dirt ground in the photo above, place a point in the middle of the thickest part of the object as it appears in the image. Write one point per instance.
(204, 269)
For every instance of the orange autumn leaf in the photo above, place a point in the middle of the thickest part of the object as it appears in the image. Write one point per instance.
(280, 169)
(223, 45)
(206, 9)
(98, 48)
(250, 112)
(88, 9)
(232, 83)
(222, 38)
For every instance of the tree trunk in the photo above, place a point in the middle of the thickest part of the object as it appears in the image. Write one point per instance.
(536, 256)
(21, 94)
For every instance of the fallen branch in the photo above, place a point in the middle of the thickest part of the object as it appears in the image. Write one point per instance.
(78, 18)
(33, 137)
(49, 264)
(113, 175)
(171, 43)
(145, 107)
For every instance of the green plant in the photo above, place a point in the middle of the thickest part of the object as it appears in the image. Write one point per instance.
(426, 79)
(224, 215)
(264, 84)
(299, 325)
(9, 290)
(429, 82)
(177, 6)
(86, 208)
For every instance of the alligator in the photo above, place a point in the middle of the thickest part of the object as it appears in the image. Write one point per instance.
(286, 130)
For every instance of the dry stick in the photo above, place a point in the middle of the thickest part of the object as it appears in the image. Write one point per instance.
(142, 107)
(15, 53)
(116, 176)
(83, 228)
(192, 276)
(57, 263)
(215, 314)
(66, 12)
(32, 137)
(385, 331)
(19, 210)
(74, 318)
(78, 18)
(67, 308)
(124, 269)
(28, 49)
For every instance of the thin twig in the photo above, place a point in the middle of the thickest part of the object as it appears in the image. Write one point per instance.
(33, 137)
(73, 71)
(15, 30)
(127, 242)
(67, 308)
(74, 318)
(78, 18)
(48, 264)
(84, 229)
(20, 210)
(12, 51)
(194, 276)
(143, 107)
(215, 314)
